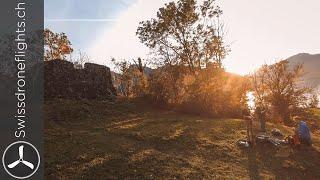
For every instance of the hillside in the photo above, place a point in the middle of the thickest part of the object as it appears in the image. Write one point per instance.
(311, 64)
(132, 140)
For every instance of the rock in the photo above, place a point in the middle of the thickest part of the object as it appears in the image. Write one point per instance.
(62, 80)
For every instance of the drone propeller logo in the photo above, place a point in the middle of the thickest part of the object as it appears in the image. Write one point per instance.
(21, 160)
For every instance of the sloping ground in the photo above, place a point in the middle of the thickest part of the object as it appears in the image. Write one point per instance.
(101, 140)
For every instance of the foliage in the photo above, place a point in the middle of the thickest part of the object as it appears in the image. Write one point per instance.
(165, 83)
(188, 40)
(211, 91)
(133, 82)
(80, 60)
(139, 65)
(56, 45)
(276, 89)
(185, 33)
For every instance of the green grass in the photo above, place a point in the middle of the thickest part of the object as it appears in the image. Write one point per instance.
(128, 140)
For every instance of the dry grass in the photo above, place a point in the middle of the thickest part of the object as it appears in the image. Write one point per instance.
(126, 140)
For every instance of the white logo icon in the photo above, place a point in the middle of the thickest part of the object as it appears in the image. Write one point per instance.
(21, 160)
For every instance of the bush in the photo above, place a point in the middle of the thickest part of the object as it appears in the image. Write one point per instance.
(209, 91)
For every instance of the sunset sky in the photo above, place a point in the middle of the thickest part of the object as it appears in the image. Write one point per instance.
(258, 31)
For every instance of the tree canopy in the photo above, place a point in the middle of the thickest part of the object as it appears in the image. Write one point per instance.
(186, 33)
(56, 45)
(276, 88)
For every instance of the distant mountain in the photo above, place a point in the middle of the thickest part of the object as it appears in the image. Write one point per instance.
(311, 67)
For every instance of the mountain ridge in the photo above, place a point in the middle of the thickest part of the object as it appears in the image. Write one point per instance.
(311, 66)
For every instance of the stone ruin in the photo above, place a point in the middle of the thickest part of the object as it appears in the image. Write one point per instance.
(63, 80)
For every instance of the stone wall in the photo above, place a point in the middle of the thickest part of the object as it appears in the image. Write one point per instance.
(62, 80)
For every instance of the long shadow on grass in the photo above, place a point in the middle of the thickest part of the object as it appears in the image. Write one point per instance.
(309, 159)
(302, 163)
(253, 164)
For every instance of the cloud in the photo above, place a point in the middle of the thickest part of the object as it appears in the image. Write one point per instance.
(80, 20)
(120, 40)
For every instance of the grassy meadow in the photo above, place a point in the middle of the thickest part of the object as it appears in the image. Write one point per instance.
(133, 140)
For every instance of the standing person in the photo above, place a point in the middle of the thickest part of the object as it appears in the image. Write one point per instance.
(249, 129)
(261, 113)
(248, 118)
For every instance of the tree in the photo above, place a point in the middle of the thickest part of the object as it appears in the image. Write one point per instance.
(276, 86)
(186, 33)
(125, 86)
(133, 83)
(80, 60)
(140, 66)
(56, 45)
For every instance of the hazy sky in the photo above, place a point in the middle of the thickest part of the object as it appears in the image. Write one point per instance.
(259, 31)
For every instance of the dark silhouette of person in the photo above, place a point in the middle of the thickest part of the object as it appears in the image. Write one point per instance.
(261, 114)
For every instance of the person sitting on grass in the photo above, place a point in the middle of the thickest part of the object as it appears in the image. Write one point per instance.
(302, 134)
